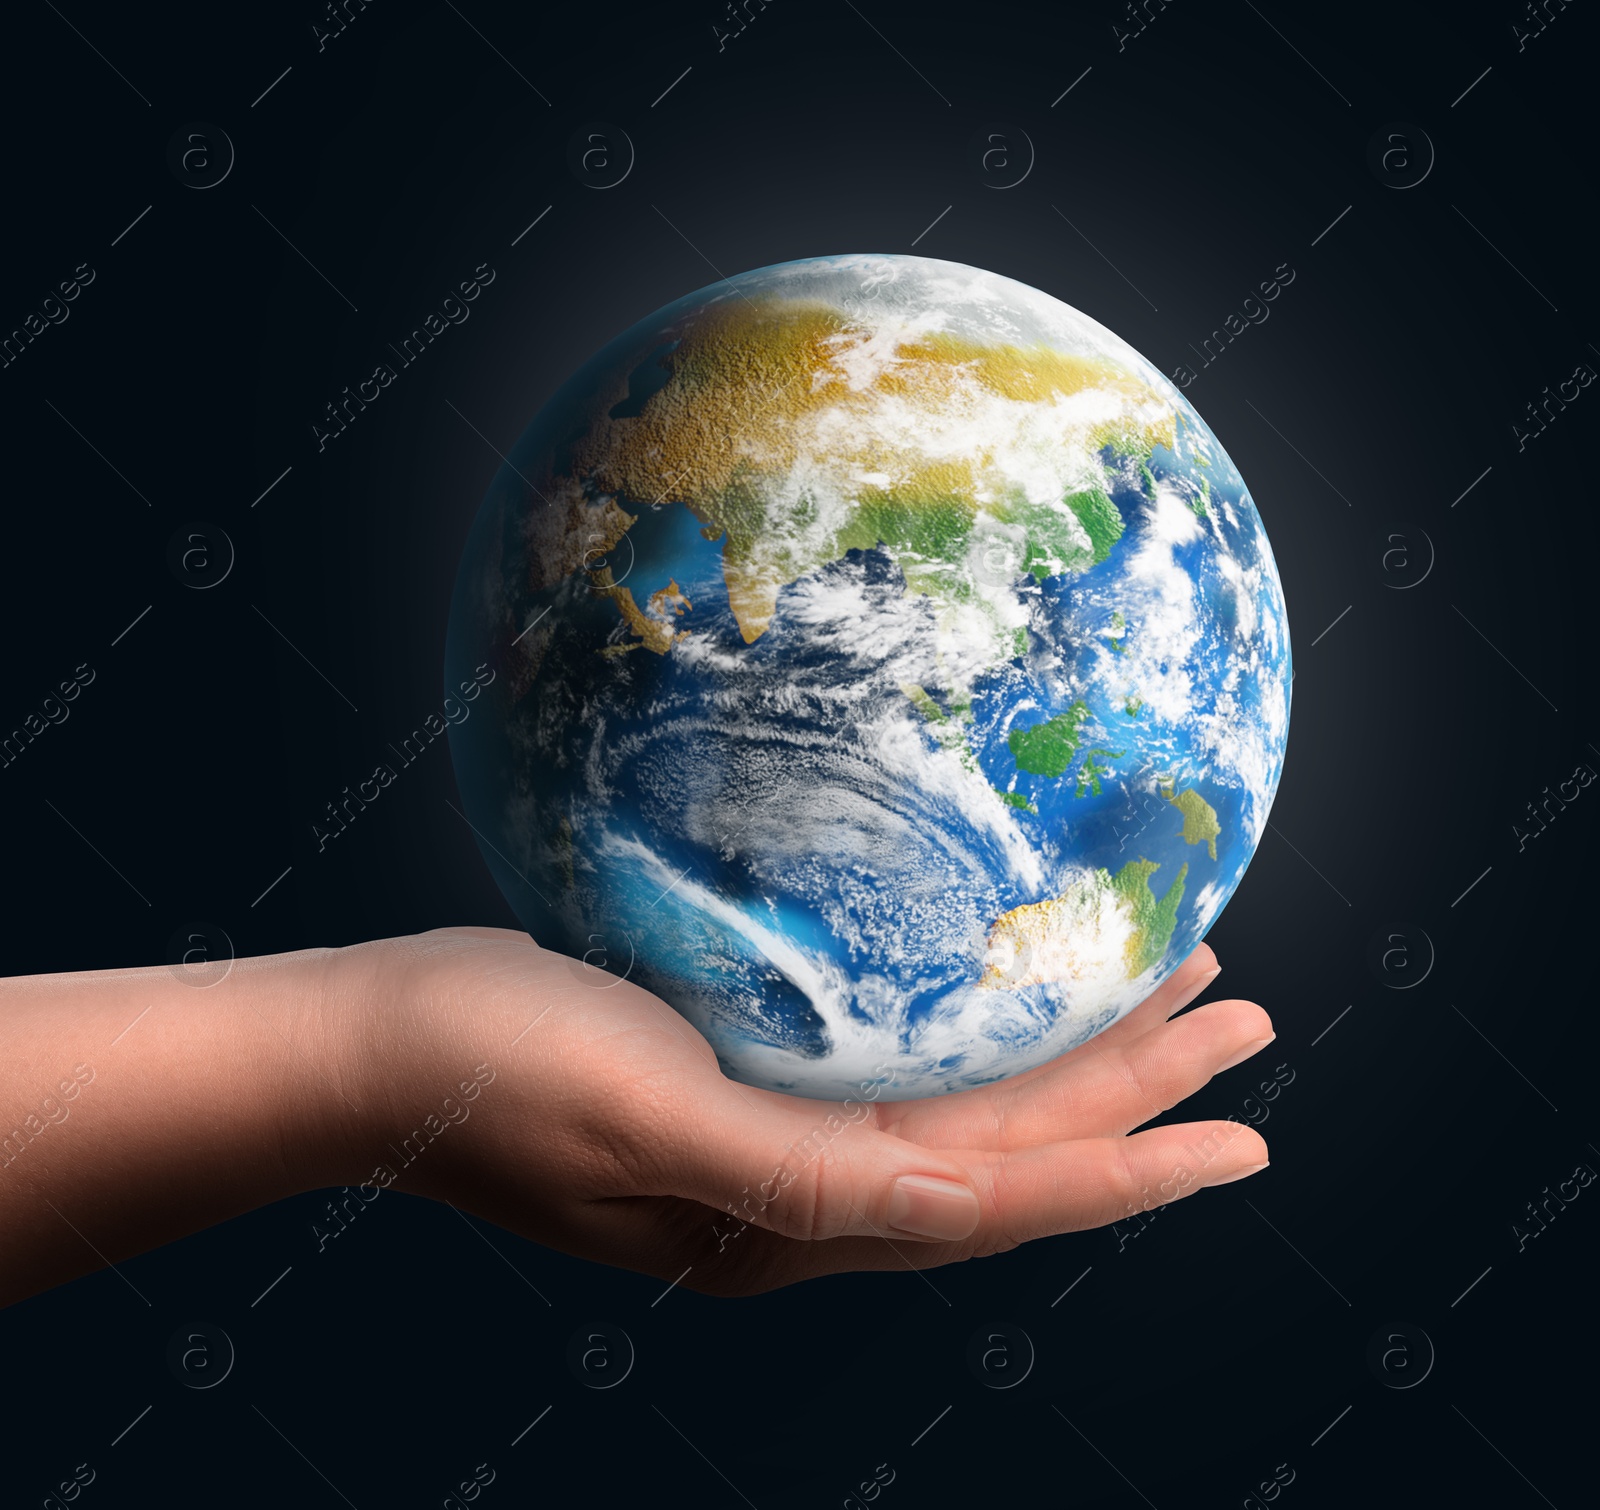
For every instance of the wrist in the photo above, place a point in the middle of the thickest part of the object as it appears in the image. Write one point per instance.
(319, 1018)
(391, 1008)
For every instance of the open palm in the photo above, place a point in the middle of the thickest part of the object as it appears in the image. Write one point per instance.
(607, 1129)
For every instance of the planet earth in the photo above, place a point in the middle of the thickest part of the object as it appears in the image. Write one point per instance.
(882, 663)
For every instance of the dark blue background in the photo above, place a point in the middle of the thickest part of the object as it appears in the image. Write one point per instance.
(1222, 1340)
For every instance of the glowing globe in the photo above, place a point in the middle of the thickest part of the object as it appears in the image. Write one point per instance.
(890, 672)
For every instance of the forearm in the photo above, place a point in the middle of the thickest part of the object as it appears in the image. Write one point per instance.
(140, 1105)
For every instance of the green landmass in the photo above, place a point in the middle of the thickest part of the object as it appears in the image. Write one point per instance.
(1052, 545)
(950, 729)
(735, 428)
(1148, 479)
(1099, 517)
(1118, 627)
(1089, 776)
(1153, 918)
(1016, 800)
(1198, 503)
(1047, 749)
(928, 538)
(1133, 704)
(1200, 825)
(925, 705)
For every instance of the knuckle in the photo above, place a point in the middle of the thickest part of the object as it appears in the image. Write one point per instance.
(1145, 1078)
(1001, 1197)
(816, 1204)
(798, 1213)
(1126, 1184)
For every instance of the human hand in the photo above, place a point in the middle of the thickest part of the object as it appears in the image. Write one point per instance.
(599, 1123)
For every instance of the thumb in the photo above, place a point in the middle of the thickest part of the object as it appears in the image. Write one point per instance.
(814, 1174)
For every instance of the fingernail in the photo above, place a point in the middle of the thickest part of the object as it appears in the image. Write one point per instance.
(932, 1207)
(1240, 1174)
(1254, 1047)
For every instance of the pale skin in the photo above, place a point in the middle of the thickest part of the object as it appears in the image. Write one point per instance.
(606, 1129)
